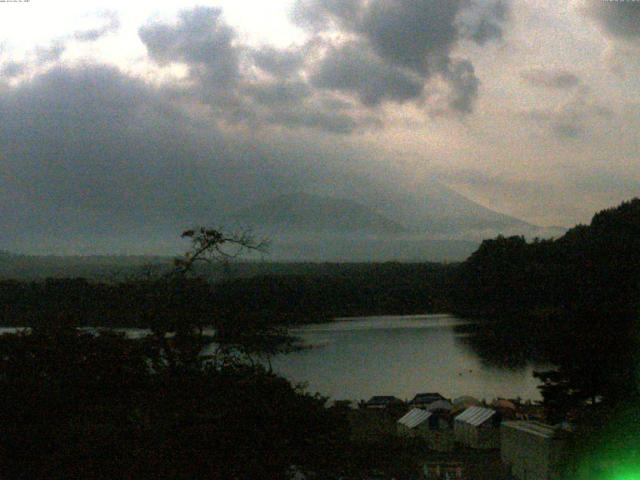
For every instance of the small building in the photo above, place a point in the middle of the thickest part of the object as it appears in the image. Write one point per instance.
(443, 406)
(423, 400)
(434, 427)
(532, 450)
(462, 403)
(507, 408)
(415, 423)
(382, 401)
(478, 427)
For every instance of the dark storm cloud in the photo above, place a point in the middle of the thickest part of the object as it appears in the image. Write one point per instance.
(94, 152)
(200, 39)
(278, 93)
(223, 74)
(278, 62)
(619, 19)
(397, 47)
(417, 34)
(110, 24)
(557, 79)
(90, 154)
(352, 68)
(464, 85)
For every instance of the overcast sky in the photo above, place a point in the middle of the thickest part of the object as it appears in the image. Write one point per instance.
(112, 112)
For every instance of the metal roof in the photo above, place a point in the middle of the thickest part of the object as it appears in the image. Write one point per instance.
(440, 405)
(533, 428)
(475, 416)
(382, 400)
(426, 397)
(414, 418)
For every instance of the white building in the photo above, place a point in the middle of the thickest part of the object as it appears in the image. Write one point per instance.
(434, 427)
(478, 427)
(532, 450)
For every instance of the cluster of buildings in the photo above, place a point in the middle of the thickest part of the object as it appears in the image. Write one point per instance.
(529, 449)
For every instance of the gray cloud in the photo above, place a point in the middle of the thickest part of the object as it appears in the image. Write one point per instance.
(200, 39)
(618, 19)
(557, 79)
(464, 85)
(400, 46)
(483, 20)
(12, 69)
(320, 15)
(278, 62)
(416, 34)
(352, 68)
(51, 53)
(94, 154)
(111, 23)
(571, 121)
(278, 93)
(396, 48)
(220, 67)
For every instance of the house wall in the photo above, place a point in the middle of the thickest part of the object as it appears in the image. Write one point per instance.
(529, 456)
(484, 437)
(421, 430)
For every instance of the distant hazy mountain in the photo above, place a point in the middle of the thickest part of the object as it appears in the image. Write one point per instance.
(433, 223)
(438, 213)
(299, 212)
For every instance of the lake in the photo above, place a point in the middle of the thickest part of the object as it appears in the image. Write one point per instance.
(357, 358)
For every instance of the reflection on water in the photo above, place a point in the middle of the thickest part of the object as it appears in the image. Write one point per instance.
(401, 356)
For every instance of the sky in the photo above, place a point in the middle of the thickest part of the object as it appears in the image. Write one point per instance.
(120, 116)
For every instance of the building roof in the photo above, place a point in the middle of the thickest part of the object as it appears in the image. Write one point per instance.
(467, 401)
(440, 405)
(414, 418)
(475, 416)
(504, 403)
(382, 400)
(426, 398)
(533, 428)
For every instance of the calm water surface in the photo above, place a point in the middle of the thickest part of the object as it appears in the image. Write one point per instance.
(402, 355)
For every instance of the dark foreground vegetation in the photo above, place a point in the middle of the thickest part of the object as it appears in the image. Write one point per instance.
(80, 405)
(575, 302)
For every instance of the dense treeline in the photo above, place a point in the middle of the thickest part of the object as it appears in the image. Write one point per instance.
(574, 301)
(354, 290)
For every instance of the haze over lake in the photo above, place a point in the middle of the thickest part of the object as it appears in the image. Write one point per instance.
(399, 355)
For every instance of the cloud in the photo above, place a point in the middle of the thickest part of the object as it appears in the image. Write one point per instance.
(617, 19)
(554, 79)
(353, 69)
(483, 21)
(278, 62)
(12, 69)
(386, 51)
(201, 40)
(93, 159)
(111, 23)
(395, 48)
(571, 120)
(49, 54)
(464, 85)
